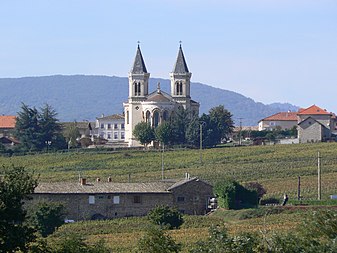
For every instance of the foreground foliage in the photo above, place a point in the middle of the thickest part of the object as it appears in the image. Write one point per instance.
(156, 240)
(15, 187)
(317, 234)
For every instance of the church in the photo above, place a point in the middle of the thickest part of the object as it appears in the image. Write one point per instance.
(157, 106)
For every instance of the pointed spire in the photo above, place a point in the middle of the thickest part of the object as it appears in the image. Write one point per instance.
(180, 66)
(139, 64)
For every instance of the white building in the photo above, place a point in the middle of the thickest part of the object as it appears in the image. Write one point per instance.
(157, 106)
(111, 128)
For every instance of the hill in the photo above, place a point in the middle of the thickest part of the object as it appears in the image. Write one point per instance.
(80, 97)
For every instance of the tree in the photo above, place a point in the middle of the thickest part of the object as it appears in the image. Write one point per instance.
(156, 240)
(193, 132)
(71, 133)
(255, 186)
(27, 128)
(163, 133)
(38, 130)
(232, 195)
(46, 217)
(179, 123)
(144, 133)
(15, 187)
(50, 128)
(166, 216)
(221, 123)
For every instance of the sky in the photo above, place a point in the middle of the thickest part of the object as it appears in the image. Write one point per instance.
(268, 50)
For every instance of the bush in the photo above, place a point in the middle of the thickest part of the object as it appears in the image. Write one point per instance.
(157, 241)
(166, 216)
(232, 195)
(255, 186)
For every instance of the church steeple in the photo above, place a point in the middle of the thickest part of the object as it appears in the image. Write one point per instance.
(138, 77)
(180, 78)
(139, 64)
(180, 66)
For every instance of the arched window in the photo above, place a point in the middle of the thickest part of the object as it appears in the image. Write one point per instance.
(147, 117)
(155, 118)
(165, 115)
(137, 88)
(179, 88)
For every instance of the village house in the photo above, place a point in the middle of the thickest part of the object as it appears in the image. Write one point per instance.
(111, 128)
(281, 120)
(316, 124)
(7, 125)
(100, 200)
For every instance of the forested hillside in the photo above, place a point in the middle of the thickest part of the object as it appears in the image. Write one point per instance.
(81, 97)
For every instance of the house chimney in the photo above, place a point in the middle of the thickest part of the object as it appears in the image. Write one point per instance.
(83, 181)
(109, 179)
(98, 179)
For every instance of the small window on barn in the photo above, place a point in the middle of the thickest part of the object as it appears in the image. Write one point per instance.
(116, 200)
(137, 199)
(91, 200)
(196, 198)
(180, 199)
(101, 197)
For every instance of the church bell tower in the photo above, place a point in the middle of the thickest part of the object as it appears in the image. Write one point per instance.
(180, 80)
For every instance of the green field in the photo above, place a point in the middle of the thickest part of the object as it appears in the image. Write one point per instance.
(276, 167)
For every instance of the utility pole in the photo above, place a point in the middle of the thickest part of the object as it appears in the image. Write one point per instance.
(162, 163)
(201, 124)
(299, 189)
(319, 187)
(240, 141)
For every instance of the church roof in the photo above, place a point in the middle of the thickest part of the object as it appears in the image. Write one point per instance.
(180, 66)
(139, 64)
(158, 96)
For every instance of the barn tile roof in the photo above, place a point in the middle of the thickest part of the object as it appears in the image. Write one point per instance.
(7, 121)
(102, 187)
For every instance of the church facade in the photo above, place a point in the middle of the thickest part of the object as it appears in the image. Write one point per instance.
(157, 106)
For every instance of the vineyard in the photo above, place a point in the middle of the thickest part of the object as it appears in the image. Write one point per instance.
(122, 235)
(276, 167)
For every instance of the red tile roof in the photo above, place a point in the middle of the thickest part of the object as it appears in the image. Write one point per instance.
(283, 116)
(7, 121)
(313, 110)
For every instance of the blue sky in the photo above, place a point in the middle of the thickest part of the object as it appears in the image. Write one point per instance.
(269, 50)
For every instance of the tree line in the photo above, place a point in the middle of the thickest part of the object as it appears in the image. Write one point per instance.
(186, 129)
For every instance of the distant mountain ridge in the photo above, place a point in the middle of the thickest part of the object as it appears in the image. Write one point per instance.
(82, 97)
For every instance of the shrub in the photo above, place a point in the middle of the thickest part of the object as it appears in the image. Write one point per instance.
(232, 195)
(166, 216)
(255, 186)
(157, 241)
